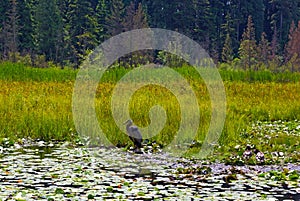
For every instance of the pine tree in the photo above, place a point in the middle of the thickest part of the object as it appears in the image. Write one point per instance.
(65, 8)
(274, 58)
(263, 50)
(202, 25)
(136, 18)
(82, 28)
(192, 18)
(101, 12)
(290, 47)
(157, 11)
(282, 14)
(140, 18)
(256, 9)
(114, 21)
(127, 22)
(10, 32)
(218, 30)
(274, 46)
(49, 30)
(293, 49)
(248, 47)
(227, 53)
(26, 27)
(4, 5)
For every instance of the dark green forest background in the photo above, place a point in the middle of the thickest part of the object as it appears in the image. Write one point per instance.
(246, 34)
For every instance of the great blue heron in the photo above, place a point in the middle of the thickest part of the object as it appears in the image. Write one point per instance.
(247, 153)
(134, 134)
(260, 157)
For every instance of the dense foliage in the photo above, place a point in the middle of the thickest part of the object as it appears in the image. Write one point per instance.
(253, 33)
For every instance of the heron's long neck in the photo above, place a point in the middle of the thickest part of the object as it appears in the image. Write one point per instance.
(128, 125)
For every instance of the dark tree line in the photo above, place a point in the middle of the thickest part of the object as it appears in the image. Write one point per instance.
(65, 31)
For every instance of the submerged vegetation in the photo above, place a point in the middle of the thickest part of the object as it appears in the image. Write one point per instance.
(37, 103)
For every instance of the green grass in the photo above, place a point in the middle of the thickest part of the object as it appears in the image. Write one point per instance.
(259, 76)
(37, 103)
(19, 72)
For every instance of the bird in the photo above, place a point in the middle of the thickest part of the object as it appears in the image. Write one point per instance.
(260, 157)
(247, 153)
(134, 134)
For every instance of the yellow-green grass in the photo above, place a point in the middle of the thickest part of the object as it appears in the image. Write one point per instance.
(36, 109)
(248, 103)
(44, 109)
(37, 103)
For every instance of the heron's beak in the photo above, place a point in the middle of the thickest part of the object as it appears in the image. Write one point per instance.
(125, 122)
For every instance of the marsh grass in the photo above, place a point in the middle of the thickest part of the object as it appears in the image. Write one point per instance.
(36, 109)
(37, 103)
(20, 72)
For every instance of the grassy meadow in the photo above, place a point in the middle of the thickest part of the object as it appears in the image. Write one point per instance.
(37, 103)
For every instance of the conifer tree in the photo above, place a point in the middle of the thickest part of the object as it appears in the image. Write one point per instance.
(26, 26)
(102, 10)
(274, 60)
(227, 53)
(248, 47)
(10, 32)
(140, 18)
(4, 4)
(202, 25)
(263, 50)
(136, 18)
(49, 30)
(82, 30)
(292, 48)
(274, 46)
(282, 15)
(114, 21)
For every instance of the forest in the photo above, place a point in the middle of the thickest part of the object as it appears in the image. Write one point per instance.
(245, 34)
